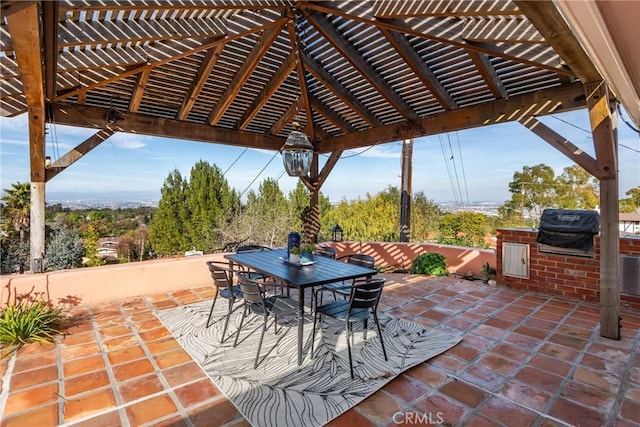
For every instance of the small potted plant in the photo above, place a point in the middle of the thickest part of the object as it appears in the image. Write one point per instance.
(294, 254)
(307, 252)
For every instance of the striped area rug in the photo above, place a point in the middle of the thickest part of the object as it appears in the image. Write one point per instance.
(281, 393)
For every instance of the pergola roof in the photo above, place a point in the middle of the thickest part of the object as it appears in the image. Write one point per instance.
(239, 72)
(353, 73)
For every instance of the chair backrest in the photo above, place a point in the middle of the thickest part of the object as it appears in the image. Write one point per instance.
(366, 293)
(359, 259)
(326, 251)
(250, 290)
(251, 248)
(221, 274)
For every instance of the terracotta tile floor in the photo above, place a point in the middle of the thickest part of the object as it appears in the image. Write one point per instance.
(526, 359)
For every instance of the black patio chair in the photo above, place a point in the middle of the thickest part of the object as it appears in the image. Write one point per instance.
(326, 251)
(254, 274)
(222, 274)
(358, 259)
(364, 296)
(258, 302)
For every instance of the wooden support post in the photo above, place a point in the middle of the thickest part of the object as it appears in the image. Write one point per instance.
(603, 126)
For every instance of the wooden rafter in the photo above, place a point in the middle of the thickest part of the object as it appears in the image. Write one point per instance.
(281, 75)
(354, 57)
(330, 115)
(395, 8)
(489, 75)
(341, 92)
(92, 33)
(304, 100)
(243, 74)
(208, 62)
(420, 69)
(167, 56)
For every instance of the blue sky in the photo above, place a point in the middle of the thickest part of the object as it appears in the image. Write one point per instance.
(483, 164)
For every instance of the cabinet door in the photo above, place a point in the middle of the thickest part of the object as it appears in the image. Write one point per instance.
(515, 260)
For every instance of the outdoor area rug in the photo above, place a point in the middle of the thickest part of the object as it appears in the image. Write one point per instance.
(281, 393)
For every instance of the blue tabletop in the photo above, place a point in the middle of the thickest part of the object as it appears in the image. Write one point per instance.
(323, 270)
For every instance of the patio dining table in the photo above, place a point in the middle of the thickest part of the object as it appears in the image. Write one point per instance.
(323, 270)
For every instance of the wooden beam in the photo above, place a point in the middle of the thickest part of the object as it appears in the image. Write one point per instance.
(566, 147)
(540, 103)
(420, 69)
(136, 123)
(208, 62)
(50, 29)
(547, 19)
(243, 74)
(604, 141)
(352, 55)
(24, 26)
(77, 153)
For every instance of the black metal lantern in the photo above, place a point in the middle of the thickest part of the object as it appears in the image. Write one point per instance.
(336, 233)
(297, 153)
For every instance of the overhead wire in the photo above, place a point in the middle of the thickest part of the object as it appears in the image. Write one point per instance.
(455, 170)
(446, 164)
(464, 176)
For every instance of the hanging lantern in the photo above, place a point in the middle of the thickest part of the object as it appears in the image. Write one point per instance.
(336, 233)
(297, 153)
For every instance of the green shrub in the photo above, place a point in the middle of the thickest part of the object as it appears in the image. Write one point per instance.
(28, 321)
(430, 263)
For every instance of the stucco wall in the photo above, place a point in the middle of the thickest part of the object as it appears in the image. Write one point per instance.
(113, 282)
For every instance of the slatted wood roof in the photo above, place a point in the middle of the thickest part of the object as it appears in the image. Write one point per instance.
(239, 72)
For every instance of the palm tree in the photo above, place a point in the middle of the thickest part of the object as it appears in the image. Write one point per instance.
(18, 207)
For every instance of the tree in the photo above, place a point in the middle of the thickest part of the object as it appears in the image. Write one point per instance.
(267, 216)
(532, 191)
(64, 250)
(90, 244)
(169, 232)
(577, 189)
(632, 203)
(424, 217)
(211, 204)
(17, 209)
(463, 229)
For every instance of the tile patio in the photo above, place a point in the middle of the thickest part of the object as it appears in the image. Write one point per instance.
(526, 359)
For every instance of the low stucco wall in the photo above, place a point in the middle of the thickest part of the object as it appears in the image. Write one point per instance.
(399, 256)
(96, 285)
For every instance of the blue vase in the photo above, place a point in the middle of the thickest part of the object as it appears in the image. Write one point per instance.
(306, 257)
(292, 240)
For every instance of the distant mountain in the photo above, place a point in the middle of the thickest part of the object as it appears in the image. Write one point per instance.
(112, 200)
